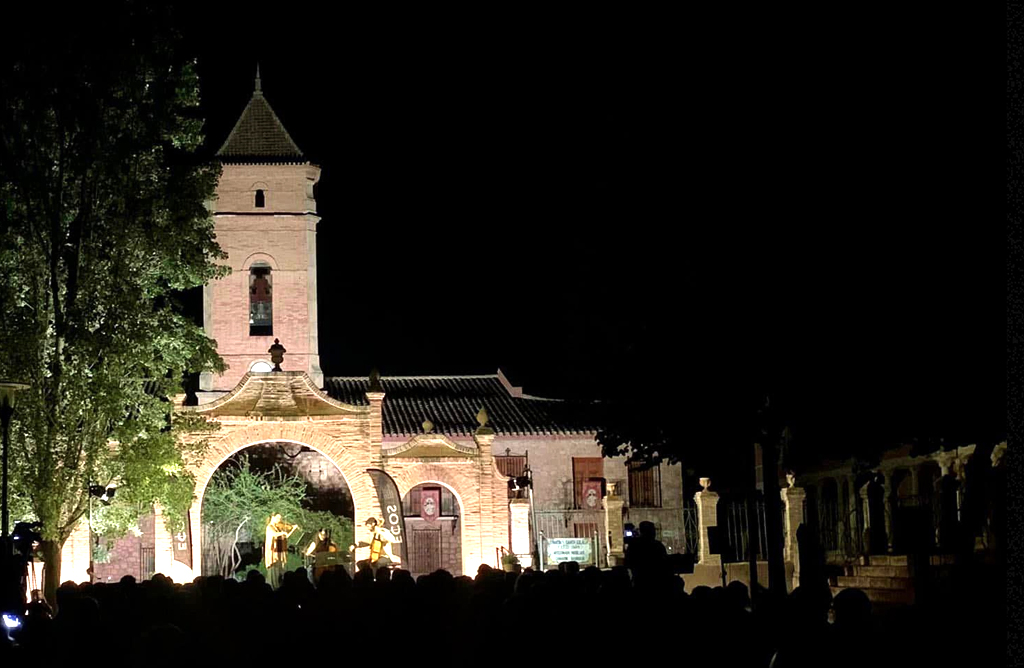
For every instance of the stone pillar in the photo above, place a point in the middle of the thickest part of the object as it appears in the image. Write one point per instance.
(613, 504)
(490, 539)
(163, 552)
(887, 506)
(865, 504)
(707, 516)
(519, 509)
(75, 555)
(375, 395)
(793, 498)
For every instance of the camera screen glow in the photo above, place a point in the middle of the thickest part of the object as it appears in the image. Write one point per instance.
(11, 621)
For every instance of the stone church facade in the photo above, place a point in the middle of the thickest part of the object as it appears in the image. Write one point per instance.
(427, 433)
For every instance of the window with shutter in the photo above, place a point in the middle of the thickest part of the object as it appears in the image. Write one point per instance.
(644, 486)
(583, 469)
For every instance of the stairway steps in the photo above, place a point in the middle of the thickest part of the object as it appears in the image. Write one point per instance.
(881, 571)
(868, 582)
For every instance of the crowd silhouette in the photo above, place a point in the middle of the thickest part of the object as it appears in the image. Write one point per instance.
(619, 616)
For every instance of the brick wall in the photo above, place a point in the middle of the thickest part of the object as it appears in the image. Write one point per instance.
(126, 553)
(551, 463)
(283, 235)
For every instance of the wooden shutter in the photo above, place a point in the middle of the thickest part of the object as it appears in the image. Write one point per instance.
(644, 486)
(584, 468)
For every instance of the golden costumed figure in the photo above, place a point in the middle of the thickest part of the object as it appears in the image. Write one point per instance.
(275, 549)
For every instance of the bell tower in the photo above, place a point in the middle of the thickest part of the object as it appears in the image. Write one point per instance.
(265, 218)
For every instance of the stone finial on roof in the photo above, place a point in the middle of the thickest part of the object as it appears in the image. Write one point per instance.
(482, 418)
(375, 385)
(277, 352)
(259, 85)
(428, 426)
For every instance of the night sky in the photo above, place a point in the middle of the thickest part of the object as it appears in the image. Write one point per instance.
(696, 207)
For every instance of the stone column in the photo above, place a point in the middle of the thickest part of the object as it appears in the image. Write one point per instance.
(865, 501)
(613, 504)
(489, 541)
(887, 507)
(707, 516)
(793, 498)
(76, 554)
(375, 395)
(519, 509)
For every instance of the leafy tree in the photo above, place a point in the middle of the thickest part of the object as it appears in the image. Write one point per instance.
(103, 224)
(238, 503)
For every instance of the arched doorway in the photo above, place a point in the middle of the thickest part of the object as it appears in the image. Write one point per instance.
(432, 523)
(306, 486)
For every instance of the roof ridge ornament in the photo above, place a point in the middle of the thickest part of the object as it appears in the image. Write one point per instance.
(375, 385)
(259, 84)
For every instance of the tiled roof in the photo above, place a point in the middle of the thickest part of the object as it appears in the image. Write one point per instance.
(259, 136)
(452, 403)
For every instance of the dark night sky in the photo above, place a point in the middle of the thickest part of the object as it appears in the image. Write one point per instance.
(684, 204)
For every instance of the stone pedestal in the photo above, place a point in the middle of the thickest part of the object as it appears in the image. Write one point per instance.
(793, 516)
(519, 512)
(707, 516)
(613, 504)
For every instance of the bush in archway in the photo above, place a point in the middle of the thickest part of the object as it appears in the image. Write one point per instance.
(238, 504)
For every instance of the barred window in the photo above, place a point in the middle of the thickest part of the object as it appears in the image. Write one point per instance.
(511, 466)
(644, 485)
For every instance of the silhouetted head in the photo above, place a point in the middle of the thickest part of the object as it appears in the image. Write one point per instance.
(737, 594)
(852, 608)
(647, 530)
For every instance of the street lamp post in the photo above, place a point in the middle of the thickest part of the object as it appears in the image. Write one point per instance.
(7, 394)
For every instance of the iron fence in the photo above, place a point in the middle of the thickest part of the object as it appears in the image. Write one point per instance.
(575, 524)
(732, 514)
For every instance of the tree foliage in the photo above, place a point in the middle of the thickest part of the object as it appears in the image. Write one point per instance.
(239, 501)
(103, 223)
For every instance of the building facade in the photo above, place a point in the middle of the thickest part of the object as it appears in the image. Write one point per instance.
(462, 445)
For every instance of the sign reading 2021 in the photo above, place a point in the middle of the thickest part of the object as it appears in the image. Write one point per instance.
(391, 506)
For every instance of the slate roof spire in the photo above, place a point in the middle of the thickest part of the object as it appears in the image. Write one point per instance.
(259, 136)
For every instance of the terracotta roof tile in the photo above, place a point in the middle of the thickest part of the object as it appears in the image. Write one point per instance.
(452, 403)
(259, 136)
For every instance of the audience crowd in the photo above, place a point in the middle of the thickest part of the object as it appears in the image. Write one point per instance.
(568, 616)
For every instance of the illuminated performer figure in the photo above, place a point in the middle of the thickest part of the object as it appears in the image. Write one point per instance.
(323, 552)
(380, 547)
(275, 549)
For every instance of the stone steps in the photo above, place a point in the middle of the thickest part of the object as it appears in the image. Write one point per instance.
(881, 571)
(868, 582)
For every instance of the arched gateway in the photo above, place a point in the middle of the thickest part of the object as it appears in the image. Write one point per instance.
(287, 406)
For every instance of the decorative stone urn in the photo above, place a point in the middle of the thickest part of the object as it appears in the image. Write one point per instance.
(706, 484)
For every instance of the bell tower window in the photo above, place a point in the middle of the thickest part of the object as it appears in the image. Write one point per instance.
(261, 200)
(261, 317)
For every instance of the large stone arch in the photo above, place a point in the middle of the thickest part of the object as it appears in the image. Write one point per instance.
(352, 462)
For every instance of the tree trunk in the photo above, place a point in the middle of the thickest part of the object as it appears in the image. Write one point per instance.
(51, 570)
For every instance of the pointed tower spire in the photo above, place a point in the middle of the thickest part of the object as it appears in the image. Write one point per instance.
(259, 86)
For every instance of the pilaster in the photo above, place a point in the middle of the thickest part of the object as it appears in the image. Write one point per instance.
(707, 517)
(613, 504)
(519, 509)
(793, 498)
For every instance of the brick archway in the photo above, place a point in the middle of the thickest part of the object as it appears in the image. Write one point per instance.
(351, 462)
(462, 479)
